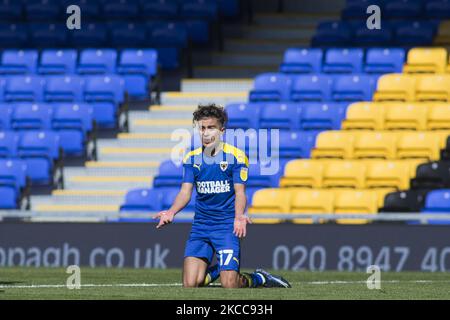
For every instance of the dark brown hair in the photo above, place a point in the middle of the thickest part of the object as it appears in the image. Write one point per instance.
(211, 111)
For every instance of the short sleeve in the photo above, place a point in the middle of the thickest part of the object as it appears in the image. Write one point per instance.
(188, 173)
(240, 173)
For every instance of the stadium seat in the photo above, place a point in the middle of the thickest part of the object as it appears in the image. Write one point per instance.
(49, 35)
(395, 87)
(269, 201)
(24, 88)
(160, 9)
(412, 116)
(443, 33)
(311, 88)
(58, 61)
(169, 195)
(426, 60)
(344, 174)
(8, 144)
(27, 116)
(302, 61)
(403, 9)
(91, 35)
(354, 202)
(40, 150)
(13, 35)
(120, 9)
(63, 88)
(433, 88)
(199, 31)
(422, 145)
(12, 182)
(353, 88)
(97, 61)
(243, 115)
(332, 34)
(437, 9)
(284, 116)
(384, 174)
(18, 61)
(199, 9)
(379, 61)
(432, 175)
(334, 144)
(142, 200)
(271, 87)
(358, 9)
(364, 115)
(260, 175)
(438, 116)
(322, 116)
(404, 201)
(376, 144)
(128, 34)
(311, 202)
(303, 173)
(414, 33)
(364, 37)
(11, 10)
(169, 175)
(343, 61)
(105, 93)
(437, 201)
(89, 8)
(137, 68)
(294, 144)
(5, 116)
(42, 10)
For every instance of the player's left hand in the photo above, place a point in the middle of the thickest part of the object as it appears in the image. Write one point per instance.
(165, 217)
(240, 226)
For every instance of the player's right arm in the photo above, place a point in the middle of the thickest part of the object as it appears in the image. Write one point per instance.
(182, 199)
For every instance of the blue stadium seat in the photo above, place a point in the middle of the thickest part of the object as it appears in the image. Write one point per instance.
(169, 175)
(91, 35)
(312, 88)
(168, 197)
(128, 34)
(138, 67)
(302, 61)
(40, 150)
(284, 116)
(62, 88)
(42, 10)
(402, 9)
(343, 61)
(357, 87)
(90, 9)
(2, 88)
(271, 87)
(198, 31)
(48, 35)
(199, 9)
(142, 200)
(105, 93)
(365, 37)
(294, 144)
(11, 10)
(416, 33)
(12, 179)
(229, 8)
(29, 115)
(379, 61)
(73, 122)
(13, 35)
(24, 88)
(5, 116)
(322, 116)
(358, 9)
(8, 144)
(58, 61)
(258, 178)
(97, 61)
(120, 9)
(160, 9)
(332, 34)
(437, 201)
(18, 61)
(242, 115)
(437, 9)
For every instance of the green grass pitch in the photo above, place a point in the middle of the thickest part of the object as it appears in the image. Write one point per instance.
(99, 283)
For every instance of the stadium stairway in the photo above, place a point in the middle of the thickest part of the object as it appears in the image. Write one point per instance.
(131, 160)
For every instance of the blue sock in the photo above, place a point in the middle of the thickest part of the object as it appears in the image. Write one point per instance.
(212, 273)
(257, 279)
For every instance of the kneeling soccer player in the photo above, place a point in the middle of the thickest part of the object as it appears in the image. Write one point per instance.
(219, 172)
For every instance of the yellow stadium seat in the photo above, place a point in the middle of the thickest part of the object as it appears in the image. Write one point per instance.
(344, 174)
(443, 34)
(438, 116)
(375, 144)
(423, 145)
(364, 115)
(443, 135)
(387, 174)
(270, 201)
(426, 60)
(354, 202)
(314, 201)
(412, 116)
(303, 173)
(433, 88)
(395, 87)
(381, 194)
(333, 144)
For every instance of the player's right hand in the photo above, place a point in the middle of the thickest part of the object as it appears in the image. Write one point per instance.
(165, 217)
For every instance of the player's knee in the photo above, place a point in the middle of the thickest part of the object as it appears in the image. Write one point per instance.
(192, 283)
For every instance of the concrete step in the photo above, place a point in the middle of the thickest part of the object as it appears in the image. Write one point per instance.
(229, 71)
(80, 197)
(183, 98)
(246, 59)
(105, 171)
(160, 114)
(216, 85)
(108, 182)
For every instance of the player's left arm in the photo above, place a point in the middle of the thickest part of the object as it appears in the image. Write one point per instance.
(240, 219)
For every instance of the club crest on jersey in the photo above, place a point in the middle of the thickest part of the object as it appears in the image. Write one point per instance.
(223, 165)
(243, 174)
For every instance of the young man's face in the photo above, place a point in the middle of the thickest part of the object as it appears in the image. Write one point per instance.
(210, 130)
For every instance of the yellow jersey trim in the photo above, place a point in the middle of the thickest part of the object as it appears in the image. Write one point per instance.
(237, 153)
(192, 153)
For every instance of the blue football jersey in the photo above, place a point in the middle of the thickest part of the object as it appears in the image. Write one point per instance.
(214, 179)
